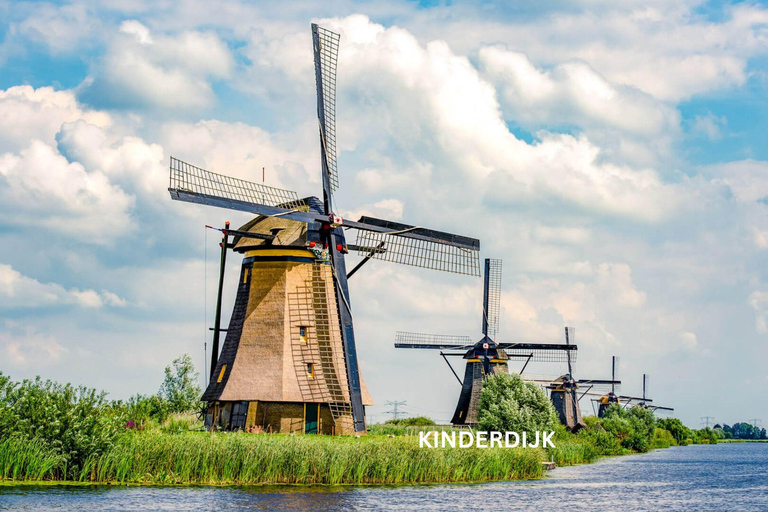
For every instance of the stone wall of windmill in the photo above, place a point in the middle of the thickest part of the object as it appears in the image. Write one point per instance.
(316, 346)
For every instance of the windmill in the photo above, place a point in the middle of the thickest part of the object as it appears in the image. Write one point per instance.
(565, 394)
(644, 401)
(486, 356)
(289, 360)
(609, 398)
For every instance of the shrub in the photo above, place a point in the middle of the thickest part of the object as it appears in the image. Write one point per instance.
(680, 432)
(418, 421)
(507, 403)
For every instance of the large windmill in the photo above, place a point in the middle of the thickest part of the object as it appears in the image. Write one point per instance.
(289, 361)
(643, 401)
(485, 356)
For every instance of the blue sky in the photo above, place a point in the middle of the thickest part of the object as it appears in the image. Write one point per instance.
(612, 155)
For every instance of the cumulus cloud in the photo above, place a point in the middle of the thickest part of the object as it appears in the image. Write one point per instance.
(39, 113)
(573, 93)
(20, 291)
(143, 70)
(38, 184)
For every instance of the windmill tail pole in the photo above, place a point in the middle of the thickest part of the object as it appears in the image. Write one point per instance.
(217, 320)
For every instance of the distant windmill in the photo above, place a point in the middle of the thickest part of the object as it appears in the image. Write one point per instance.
(644, 401)
(565, 390)
(289, 361)
(486, 356)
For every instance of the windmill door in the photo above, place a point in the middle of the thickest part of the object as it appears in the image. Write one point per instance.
(310, 418)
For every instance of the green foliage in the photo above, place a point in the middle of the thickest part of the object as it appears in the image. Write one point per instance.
(674, 426)
(634, 428)
(662, 439)
(144, 410)
(180, 387)
(73, 422)
(704, 436)
(507, 403)
(418, 421)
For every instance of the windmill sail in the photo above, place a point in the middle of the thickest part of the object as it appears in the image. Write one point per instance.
(326, 48)
(491, 298)
(431, 341)
(417, 246)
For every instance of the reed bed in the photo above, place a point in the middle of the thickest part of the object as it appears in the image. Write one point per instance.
(23, 459)
(572, 452)
(202, 458)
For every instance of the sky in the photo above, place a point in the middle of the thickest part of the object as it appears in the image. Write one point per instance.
(612, 154)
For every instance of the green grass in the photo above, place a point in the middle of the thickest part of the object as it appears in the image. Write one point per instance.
(22, 459)
(202, 458)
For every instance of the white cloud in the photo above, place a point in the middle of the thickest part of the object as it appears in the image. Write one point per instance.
(573, 93)
(161, 71)
(20, 291)
(747, 179)
(38, 114)
(689, 340)
(39, 185)
(61, 28)
(615, 280)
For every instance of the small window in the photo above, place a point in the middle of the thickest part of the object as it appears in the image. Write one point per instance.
(303, 334)
(221, 373)
(245, 275)
(311, 370)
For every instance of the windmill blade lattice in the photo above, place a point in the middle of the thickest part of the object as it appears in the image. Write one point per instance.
(400, 247)
(326, 46)
(492, 296)
(431, 341)
(540, 352)
(194, 181)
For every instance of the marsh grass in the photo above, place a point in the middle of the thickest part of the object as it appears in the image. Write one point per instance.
(202, 458)
(22, 459)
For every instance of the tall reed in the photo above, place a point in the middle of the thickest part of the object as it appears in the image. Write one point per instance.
(203, 458)
(24, 459)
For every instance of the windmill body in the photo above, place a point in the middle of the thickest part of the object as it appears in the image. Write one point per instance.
(289, 360)
(486, 356)
(566, 391)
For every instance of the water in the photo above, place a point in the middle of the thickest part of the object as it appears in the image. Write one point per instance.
(726, 477)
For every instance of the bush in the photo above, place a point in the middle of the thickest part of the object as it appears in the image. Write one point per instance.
(662, 439)
(674, 426)
(507, 403)
(634, 428)
(418, 421)
(74, 422)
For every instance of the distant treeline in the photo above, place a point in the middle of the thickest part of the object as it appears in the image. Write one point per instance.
(740, 431)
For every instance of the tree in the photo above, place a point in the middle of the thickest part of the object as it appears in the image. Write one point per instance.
(507, 403)
(680, 432)
(180, 386)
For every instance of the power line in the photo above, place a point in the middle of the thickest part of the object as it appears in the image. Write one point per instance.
(395, 412)
(706, 420)
(757, 423)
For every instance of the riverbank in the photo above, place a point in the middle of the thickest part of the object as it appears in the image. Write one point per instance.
(240, 458)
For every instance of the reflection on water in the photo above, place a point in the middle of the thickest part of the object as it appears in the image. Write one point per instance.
(731, 477)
